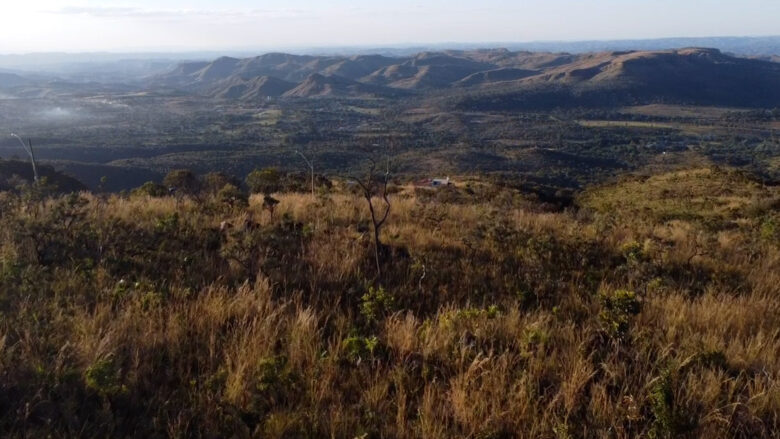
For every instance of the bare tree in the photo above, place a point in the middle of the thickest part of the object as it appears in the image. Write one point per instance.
(310, 163)
(269, 203)
(29, 150)
(371, 184)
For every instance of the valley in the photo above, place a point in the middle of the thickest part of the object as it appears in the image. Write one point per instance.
(562, 120)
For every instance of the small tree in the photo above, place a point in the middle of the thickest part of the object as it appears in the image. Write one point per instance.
(371, 185)
(232, 196)
(269, 203)
(184, 181)
(151, 189)
(214, 182)
(264, 181)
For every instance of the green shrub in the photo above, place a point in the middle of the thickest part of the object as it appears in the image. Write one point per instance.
(357, 347)
(168, 224)
(661, 400)
(770, 231)
(150, 189)
(618, 308)
(232, 196)
(264, 181)
(213, 182)
(376, 303)
(183, 181)
(632, 251)
(103, 377)
(670, 419)
(274, 379)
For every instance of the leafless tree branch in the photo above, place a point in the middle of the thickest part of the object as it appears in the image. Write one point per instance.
(310, 163)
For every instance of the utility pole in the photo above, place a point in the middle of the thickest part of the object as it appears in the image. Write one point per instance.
(29, 150)
(311, 167)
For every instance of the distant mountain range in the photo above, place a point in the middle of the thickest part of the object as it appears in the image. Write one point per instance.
(741, 46)
(686, 76)
(135, 62)
(487, 79)
(494, 77)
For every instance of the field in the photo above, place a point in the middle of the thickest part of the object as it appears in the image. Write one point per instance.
(647, 308)
(131, 138)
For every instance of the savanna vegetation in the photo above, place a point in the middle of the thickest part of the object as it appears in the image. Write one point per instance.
(644, 307)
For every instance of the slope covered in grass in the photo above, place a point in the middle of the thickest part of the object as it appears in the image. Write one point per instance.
(494, 316)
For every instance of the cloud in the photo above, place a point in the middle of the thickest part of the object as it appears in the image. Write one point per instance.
(176, 14)
(111, 12)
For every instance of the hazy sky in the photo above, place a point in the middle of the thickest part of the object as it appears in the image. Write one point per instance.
(122, 25)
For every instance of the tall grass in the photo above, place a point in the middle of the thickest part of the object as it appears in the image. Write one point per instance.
(651, 310)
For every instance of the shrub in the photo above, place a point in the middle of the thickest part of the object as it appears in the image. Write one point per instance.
(632, 251)
(183, 181)
(275, 383)
(661, 407)
(151, 189)
(264, 181)
(770, 232)
(618, 308)
(232, 196)
(168, 224)
(213, 182)
(670, 419)
(272, 372)
(103, 377)
(357, 347)
(376, 303)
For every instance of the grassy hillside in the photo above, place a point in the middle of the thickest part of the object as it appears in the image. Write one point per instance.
(650, 309)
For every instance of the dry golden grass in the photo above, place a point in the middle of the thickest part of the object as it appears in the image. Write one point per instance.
(653, 311)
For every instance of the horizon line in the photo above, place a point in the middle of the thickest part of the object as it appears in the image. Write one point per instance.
(387, 46)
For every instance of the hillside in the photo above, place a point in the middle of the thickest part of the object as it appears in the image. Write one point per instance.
(251, 89)
(358, 66)
(425, 70)
(686, 76)
(649, 308)
(278, 65)
(502, 78)
(318, 85)
(428, 70)
(497, 75)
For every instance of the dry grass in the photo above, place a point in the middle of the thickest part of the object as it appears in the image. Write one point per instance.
(651, 312)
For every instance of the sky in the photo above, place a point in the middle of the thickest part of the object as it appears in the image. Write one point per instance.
(179, 25)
